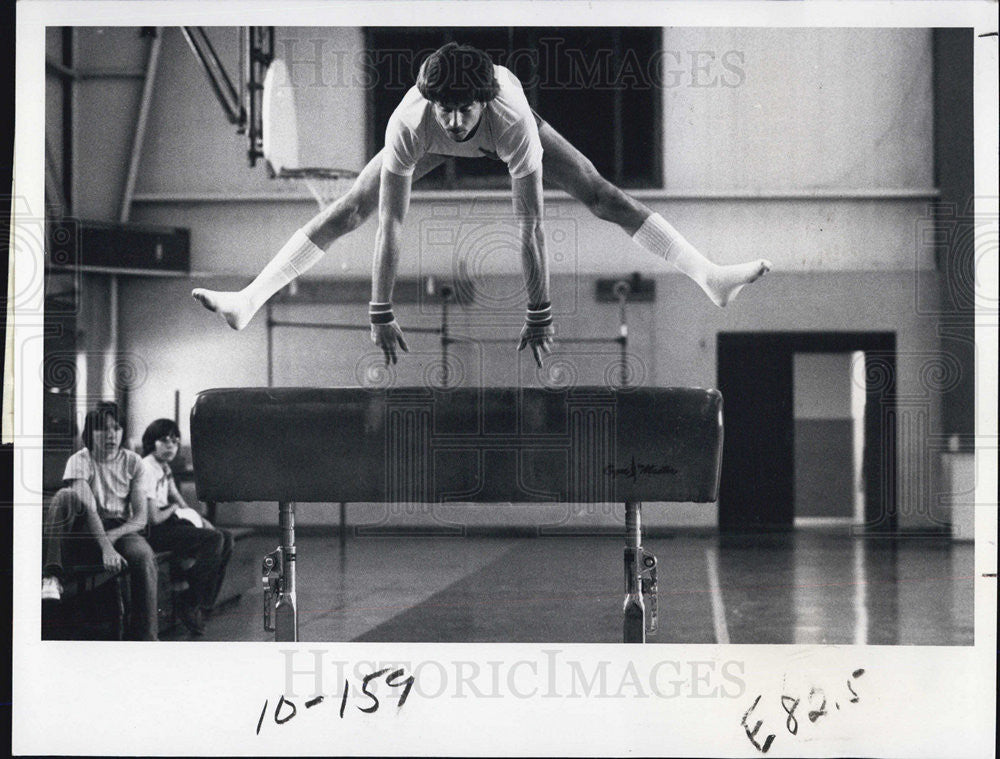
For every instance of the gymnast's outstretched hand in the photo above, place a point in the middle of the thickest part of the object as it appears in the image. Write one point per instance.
(540, 339)
(386, 337)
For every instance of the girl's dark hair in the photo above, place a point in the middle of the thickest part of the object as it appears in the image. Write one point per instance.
(96, 420)
(157, 430)
(457, 74)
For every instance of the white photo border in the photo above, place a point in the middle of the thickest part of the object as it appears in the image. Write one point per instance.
(205, 699)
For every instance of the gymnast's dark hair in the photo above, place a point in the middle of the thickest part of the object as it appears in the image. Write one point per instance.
(158, 430)
(96, 420)
(457, 74)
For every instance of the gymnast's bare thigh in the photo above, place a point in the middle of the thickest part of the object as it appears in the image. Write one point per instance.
(563, 164)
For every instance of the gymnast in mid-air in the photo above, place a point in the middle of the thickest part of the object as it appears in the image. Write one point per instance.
(465, 105)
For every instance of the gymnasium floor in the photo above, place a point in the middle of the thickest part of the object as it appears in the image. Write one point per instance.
(802, 587)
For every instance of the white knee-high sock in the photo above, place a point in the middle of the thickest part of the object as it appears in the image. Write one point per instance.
(295, 258)
(658, 236)
(720, 283)
(238, 308)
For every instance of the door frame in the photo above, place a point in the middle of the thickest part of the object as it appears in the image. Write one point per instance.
(880, 452)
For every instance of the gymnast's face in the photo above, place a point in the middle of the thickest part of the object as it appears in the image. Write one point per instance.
(458, 119)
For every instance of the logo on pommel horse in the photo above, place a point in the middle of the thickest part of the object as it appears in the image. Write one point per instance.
(634, 470)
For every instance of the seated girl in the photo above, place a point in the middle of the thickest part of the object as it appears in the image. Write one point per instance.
(176, 527)
(97, 518)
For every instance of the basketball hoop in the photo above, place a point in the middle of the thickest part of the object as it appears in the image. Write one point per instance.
(326, 185)
(280, 142)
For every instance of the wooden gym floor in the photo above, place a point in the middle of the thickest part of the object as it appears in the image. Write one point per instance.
(801, 587)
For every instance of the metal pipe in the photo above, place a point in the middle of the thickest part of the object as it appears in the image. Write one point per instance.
(491, 340)
(64, 72)
(633, 543)
(860, 195)
(140, 127)
(623, 332)
(112, 379)
(286, 521)
(253, 95)
(445, 342)
(244, 74)
(219, 80)
(589, 340)
(634, 626)
(633, 524)
(258, 59)
(286, 627)
(52, 182)
(232, 98)
(82, 74)
(270, 347)
(71, 139)
(339, 325)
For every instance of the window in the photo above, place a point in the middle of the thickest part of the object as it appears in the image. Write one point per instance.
(599, 87)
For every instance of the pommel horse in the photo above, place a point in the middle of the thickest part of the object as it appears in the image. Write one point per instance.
(483, 445)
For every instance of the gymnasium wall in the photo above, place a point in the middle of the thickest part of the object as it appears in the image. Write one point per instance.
(680, 350)
(821, 159)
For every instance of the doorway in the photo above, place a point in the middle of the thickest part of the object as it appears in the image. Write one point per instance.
(829, 405)
(756, 375)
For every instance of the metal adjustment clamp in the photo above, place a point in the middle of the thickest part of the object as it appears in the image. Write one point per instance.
(647, 576)
(273, 585)
(634, 623)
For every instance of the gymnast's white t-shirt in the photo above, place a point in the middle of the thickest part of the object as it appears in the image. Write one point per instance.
(507, 130)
